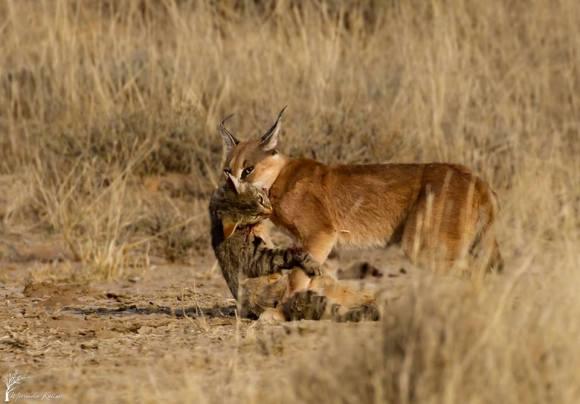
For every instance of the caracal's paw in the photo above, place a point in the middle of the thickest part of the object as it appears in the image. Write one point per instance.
(301, 258)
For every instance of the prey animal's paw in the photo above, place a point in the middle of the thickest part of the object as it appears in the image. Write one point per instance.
(306, 305)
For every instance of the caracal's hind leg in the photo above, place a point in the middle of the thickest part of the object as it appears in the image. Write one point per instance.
(433, 233)
(413, 230)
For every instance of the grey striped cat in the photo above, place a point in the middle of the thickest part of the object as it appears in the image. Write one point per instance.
(254, 272)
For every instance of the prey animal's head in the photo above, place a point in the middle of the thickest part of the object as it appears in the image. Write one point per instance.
(240, 204)
(256, 160)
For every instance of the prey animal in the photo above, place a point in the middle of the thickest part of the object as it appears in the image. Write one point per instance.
(274, 283)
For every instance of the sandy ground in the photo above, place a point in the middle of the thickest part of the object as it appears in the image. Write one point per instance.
(163, 333)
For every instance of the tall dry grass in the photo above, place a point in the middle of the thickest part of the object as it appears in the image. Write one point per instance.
(95, 95)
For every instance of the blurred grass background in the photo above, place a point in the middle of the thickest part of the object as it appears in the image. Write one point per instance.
(98, 99)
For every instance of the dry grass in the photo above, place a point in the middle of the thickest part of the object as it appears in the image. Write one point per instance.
(97, 97)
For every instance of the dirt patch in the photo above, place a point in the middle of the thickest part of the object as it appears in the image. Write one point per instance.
(72, 337)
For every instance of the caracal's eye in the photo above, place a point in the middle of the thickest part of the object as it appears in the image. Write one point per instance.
(247, 171)
(261, 199)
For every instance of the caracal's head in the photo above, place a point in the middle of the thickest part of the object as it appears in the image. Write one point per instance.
(240, 204)
(256, 160)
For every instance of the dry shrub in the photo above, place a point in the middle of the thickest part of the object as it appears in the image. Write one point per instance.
(108, 220)
(91, 212)
(510, 342)
(172, 227)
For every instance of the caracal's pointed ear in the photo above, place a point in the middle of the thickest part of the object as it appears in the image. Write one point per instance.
(233, 182)
(269, 140)
(229, 226)
(230, 140)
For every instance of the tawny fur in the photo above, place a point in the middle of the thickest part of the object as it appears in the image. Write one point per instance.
(435, 211)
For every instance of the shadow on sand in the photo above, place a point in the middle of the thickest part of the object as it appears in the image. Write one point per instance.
(130, 310)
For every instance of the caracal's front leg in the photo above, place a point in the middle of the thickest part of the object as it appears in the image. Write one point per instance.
(319, 245)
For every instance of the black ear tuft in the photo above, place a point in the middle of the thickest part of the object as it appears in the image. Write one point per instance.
(269, 140)
(229, 139)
